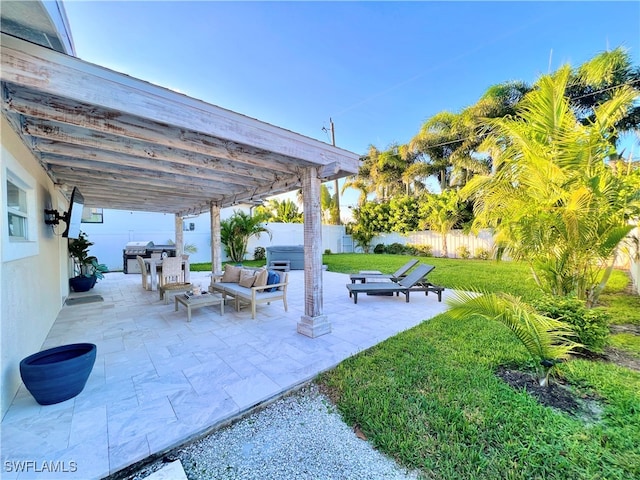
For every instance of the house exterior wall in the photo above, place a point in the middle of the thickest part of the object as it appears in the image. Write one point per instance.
(33, 274)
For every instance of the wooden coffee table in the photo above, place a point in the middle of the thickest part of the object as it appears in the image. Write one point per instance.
(202, 300)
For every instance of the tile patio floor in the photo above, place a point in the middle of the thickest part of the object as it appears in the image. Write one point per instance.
(159, 381)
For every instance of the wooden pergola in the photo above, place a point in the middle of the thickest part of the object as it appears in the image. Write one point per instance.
(128, 144)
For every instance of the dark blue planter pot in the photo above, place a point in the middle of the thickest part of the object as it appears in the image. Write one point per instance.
(82, 283)
(58, 374)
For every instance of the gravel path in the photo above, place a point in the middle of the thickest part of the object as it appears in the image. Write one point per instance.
(300, 436)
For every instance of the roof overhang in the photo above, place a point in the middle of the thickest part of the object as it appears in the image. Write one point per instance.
(42, 22)
(129, 144)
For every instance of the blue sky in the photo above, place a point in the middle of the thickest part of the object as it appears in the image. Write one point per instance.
(379, 69)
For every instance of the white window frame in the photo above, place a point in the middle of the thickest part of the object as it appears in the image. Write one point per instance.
(14, 248)
(21, 210)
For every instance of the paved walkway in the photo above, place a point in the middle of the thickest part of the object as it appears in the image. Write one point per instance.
(159, 381)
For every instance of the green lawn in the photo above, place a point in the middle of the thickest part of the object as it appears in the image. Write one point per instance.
(628, 342)
(487, 275)
(429, 397)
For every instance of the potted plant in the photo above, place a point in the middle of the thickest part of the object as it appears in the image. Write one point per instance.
(86, 268)
(236, 231)
(99, 269)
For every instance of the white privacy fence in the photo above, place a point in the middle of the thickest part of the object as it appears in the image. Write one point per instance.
(455, 239)
(631, 252)
(635, 275)
(628, 255)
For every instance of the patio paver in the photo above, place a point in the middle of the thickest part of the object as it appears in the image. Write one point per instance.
(159, 380)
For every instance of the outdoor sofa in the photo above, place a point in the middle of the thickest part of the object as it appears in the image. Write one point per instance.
(253, 286)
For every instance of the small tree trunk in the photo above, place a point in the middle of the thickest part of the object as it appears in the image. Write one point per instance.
(593, 294)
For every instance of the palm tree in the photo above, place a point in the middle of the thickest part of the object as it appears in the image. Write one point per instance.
(382, 173)
(499, 101)
(441, 212)
(450, 141)
(236, 231)
(547, 340)
(596, 81)
(554, 201)
(415, 176)
(437, 140)
(360, 184)
(280, 211)
(327, 206)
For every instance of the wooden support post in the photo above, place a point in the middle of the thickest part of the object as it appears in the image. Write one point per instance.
(179, 236)
(313, 323)
(216, 245)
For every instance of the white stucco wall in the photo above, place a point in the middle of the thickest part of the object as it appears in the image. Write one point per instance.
(34, 275)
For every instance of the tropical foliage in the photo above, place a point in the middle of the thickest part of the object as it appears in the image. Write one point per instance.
(280, 211)
(591, 325)
(236, 231)
(370, 219)
(447, 146)
(547, 340)
(597, 81)
(387, 173)
(329, 206)
(554, 201)
(441, 213)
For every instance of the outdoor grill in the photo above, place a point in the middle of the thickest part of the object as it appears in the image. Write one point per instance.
(144, 249)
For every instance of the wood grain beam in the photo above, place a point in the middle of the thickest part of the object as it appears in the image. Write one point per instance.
(98, 158)
(130, 179)
(58, 132)
(34, 105)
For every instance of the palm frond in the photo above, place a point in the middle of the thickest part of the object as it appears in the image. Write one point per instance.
(543, 337)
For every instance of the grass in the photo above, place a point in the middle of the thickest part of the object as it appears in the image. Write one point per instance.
(429, 397)
(450, 273)
(622, 307)
(627, 342)
(206, 266)
(489, 275)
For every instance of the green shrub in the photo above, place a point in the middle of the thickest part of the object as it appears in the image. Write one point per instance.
(591, 325)
(379, 248)
(327, 251)
(410, 250)
(395, 249)
(425, 250)
(482, 253)
(463, 252)
(259, 253)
